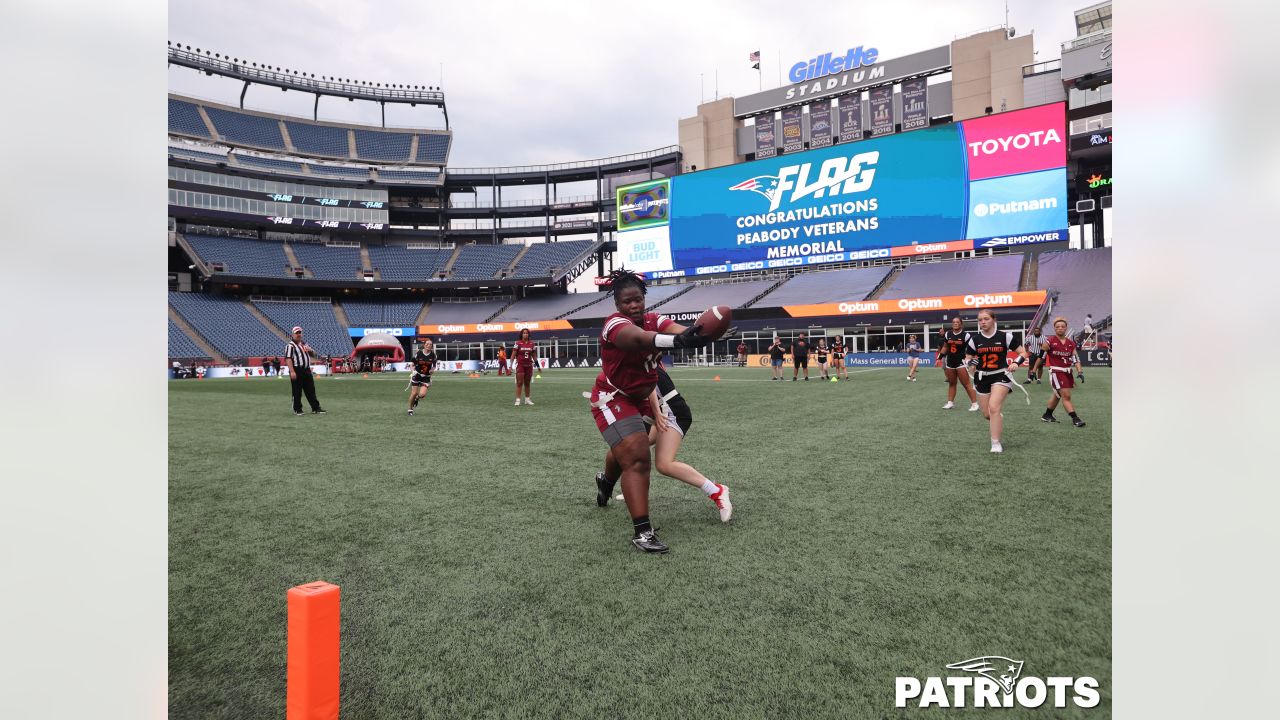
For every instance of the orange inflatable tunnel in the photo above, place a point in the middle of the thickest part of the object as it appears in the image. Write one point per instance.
(313, 652)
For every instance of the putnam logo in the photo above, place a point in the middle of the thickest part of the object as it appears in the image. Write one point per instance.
(994, 681)
(1014, 207)
(836, 176)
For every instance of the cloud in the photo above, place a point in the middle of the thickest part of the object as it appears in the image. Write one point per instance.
(533, 83)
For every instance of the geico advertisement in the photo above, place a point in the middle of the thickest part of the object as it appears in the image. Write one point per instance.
(996, 177)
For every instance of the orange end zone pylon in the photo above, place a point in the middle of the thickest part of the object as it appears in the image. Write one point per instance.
(313, 652)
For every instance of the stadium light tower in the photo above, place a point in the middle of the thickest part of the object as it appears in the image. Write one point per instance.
(250, 73)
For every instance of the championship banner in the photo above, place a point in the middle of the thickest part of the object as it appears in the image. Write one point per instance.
(509, 327)
(851, 118)
(881, 107)
(1030, 298)
(792, 140)
(915, 104)
(765, 139)
(820, 124)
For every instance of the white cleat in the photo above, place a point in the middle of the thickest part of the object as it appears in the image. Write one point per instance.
(949, 405)
(973, 407)
(517, 402)
(721, 499)
(997, 447)
(527, 401)
(621, 497)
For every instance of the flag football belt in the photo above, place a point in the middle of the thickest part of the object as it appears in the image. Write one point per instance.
(1007, 376)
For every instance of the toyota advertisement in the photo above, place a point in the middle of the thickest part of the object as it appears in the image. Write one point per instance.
(996, 180)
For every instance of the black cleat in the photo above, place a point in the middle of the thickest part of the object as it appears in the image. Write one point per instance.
(1048, 418)
(1078, 422)
(604, 490)
(297, 412)
(649, 542)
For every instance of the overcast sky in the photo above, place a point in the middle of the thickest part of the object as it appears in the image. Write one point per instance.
(557, 81)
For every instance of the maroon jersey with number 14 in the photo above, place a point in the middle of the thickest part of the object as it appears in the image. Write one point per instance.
(633, 373)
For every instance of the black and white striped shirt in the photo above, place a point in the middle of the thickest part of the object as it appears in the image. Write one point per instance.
(295, 352)
(1033, 343)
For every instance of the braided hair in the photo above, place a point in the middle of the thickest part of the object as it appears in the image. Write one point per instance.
(621, 278)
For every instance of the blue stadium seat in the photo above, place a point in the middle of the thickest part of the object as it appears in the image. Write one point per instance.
(227, 324)
(393, 146)
(430, 176)
(256, 258)
(267, 163)
(990, 274)
(357, 173)
(480, 262)
(702, 297)
(809, 288)
(319, 139)
(396, 262)
(197, 155)
(184, 119)
(181, 345)
(320, 326)
(245, 129)
(329, 263)
(544, 256)
(1083, 281)
(433, 148)
(463, 312)
(382, 313)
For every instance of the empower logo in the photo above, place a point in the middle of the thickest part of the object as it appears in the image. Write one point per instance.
(1013, 207)
(994, 681)
(836, 176)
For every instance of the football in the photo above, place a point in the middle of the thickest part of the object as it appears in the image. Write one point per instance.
(715, 321)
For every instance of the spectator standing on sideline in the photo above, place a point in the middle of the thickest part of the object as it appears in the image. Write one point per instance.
(800, 357)
(742, 354)
(275, 366)
(776, 354)
(297, 354)
(266, 366)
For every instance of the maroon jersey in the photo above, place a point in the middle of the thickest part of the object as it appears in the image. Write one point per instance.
(1061, 353)
(524, 353)
(634, 373)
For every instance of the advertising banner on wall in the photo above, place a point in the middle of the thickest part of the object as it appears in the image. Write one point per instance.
(507, 327)
(880, 105)
(792, 140)
(396, 331)
(998, 182)
(915, 104)
(644, 205)
(820, 125)
(765, 139)
(850, 118)
(1030, 298)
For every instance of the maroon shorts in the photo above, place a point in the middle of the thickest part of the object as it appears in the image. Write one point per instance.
(1061, 378)
(525, 371)
(620, 416)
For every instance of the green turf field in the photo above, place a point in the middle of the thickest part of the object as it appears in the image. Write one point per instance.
(873, 536)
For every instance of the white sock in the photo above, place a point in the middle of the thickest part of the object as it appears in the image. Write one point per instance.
(710, 488)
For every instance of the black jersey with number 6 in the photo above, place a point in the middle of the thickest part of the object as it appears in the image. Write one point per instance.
(953, 345)
(993, 350)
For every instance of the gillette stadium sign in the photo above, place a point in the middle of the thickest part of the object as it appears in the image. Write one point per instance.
(996, 181)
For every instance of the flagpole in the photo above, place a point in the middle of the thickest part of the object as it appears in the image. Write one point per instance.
(779, 68)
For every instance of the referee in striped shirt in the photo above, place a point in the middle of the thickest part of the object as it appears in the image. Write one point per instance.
(1035, 349)
(297, 356)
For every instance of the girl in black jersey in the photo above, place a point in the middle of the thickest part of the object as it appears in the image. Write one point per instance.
(837, 358)
(991, 348)
(952, 352)
(420, 382)
(821, 350)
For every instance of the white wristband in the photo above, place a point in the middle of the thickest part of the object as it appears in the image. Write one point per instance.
(663, 340)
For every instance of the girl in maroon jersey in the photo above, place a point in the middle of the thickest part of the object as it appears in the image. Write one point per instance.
(1060, 352)
(524, 354)
(631, 346)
